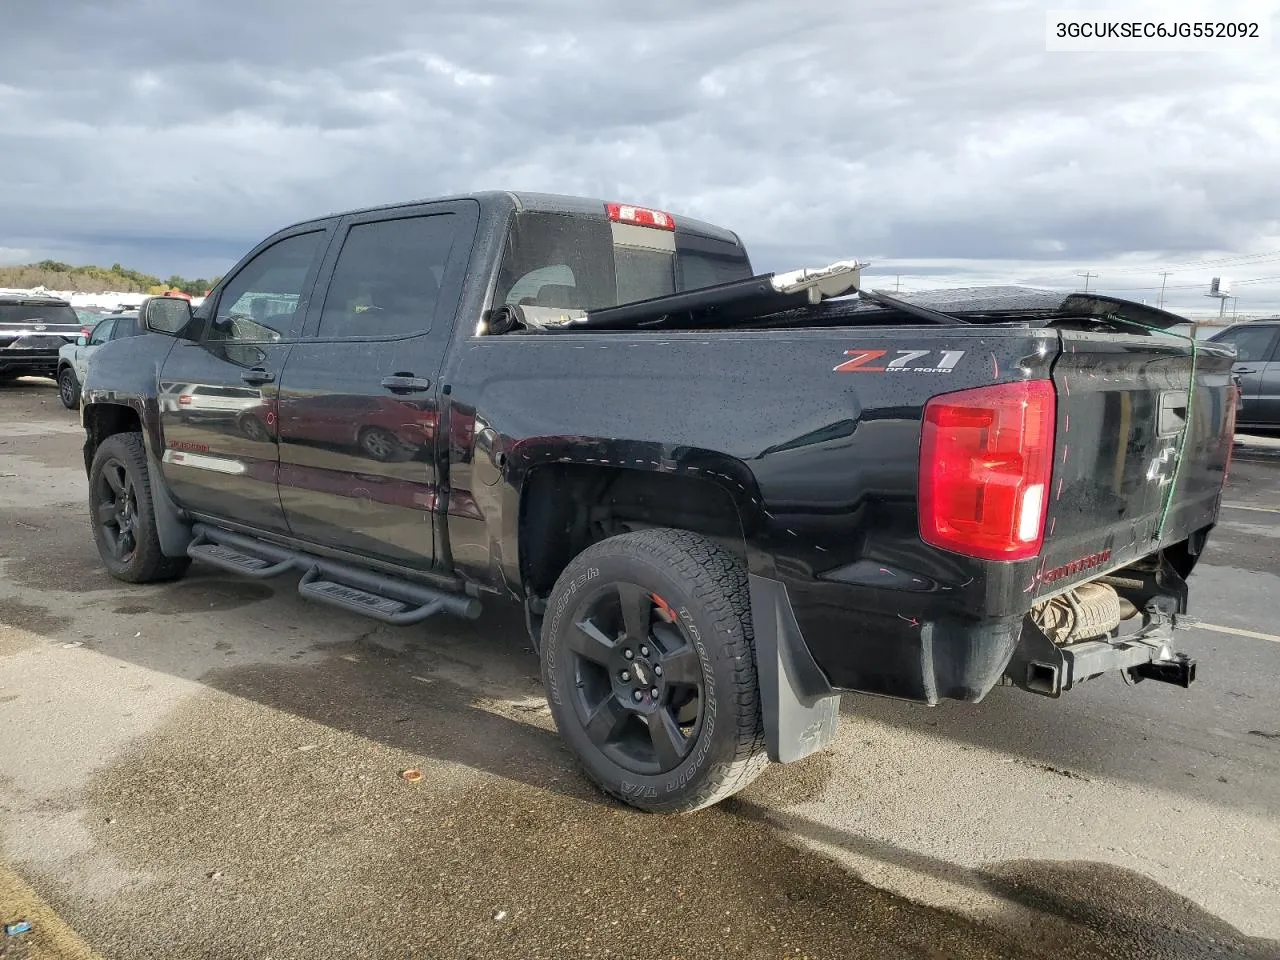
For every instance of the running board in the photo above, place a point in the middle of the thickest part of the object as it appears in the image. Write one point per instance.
(355, 600)
(235, 561)
(338, 584)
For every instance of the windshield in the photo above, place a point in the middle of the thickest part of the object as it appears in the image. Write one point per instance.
(587, 263)
(37, 313)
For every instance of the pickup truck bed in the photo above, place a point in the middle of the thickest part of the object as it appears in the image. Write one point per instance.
(722, 503)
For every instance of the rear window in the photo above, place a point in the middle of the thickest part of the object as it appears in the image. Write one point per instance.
(587, 263)
(37, 313)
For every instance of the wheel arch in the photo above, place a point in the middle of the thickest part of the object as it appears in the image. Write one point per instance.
(564, 497)
(105, 419)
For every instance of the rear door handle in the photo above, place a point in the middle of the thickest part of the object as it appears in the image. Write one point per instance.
(1245, 370)
(257, 376)
(406, 383)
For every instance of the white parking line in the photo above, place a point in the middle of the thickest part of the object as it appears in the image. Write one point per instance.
(1237, 631)
(1241, 506)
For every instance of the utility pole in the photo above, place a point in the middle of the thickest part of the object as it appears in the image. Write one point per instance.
(1164, 277)
(897, 283)
(1086, 276)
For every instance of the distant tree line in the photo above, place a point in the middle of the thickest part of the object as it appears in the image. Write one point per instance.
(56, 275)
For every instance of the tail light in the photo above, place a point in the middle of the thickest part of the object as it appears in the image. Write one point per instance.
(986, 459)
(639, 216)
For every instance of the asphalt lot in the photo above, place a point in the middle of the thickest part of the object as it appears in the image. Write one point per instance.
(210, 769)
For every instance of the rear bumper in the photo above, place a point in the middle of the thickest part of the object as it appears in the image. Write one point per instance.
(804, 669)
(29, 361)
(801, 680)
(907, 654)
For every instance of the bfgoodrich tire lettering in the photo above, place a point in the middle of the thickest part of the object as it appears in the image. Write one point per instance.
(650, 669)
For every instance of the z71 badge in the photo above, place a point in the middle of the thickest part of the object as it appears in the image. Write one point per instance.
(904, 361)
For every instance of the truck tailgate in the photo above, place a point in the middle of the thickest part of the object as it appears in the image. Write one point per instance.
(1141, 456)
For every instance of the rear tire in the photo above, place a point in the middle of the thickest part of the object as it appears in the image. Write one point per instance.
(649, 665)
(123, 514)
(68, 388)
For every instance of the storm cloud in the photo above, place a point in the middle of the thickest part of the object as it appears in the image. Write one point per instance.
(939, 140)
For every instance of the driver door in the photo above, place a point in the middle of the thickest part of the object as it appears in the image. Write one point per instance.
(218, 392)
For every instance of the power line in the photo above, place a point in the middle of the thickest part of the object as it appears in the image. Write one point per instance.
(1192, 286)
(1244, 258)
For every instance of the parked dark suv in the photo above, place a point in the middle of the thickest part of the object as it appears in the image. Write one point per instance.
(33, 329)
(1257, 369)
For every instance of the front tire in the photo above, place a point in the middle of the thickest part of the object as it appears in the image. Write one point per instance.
(68, 388)
(649, 664)
(123, 514)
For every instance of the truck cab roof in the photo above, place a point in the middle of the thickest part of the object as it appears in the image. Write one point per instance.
(494, 201)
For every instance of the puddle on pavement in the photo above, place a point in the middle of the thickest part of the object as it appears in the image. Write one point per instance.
(53, 550)
(276, 824)
(198, 593)
(30, 617)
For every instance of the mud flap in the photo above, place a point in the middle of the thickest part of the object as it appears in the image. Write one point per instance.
(798, 706)
(172, 529)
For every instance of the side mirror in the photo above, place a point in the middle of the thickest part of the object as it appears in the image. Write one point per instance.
(82, 341)
(167, 315)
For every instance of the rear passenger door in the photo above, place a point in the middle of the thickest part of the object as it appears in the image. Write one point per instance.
(359, 397)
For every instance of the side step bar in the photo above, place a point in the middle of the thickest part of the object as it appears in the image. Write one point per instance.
(338, 584)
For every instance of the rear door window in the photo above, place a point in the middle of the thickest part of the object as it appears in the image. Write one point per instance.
(386, 281)
(125, 327)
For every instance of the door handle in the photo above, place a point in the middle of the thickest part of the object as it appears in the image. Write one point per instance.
(257, 376)
(1245, 370)
(406, 383)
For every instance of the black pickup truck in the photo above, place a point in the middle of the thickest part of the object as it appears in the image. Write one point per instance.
(723, 498)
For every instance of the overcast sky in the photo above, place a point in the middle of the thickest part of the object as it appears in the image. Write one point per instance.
(938, 139)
